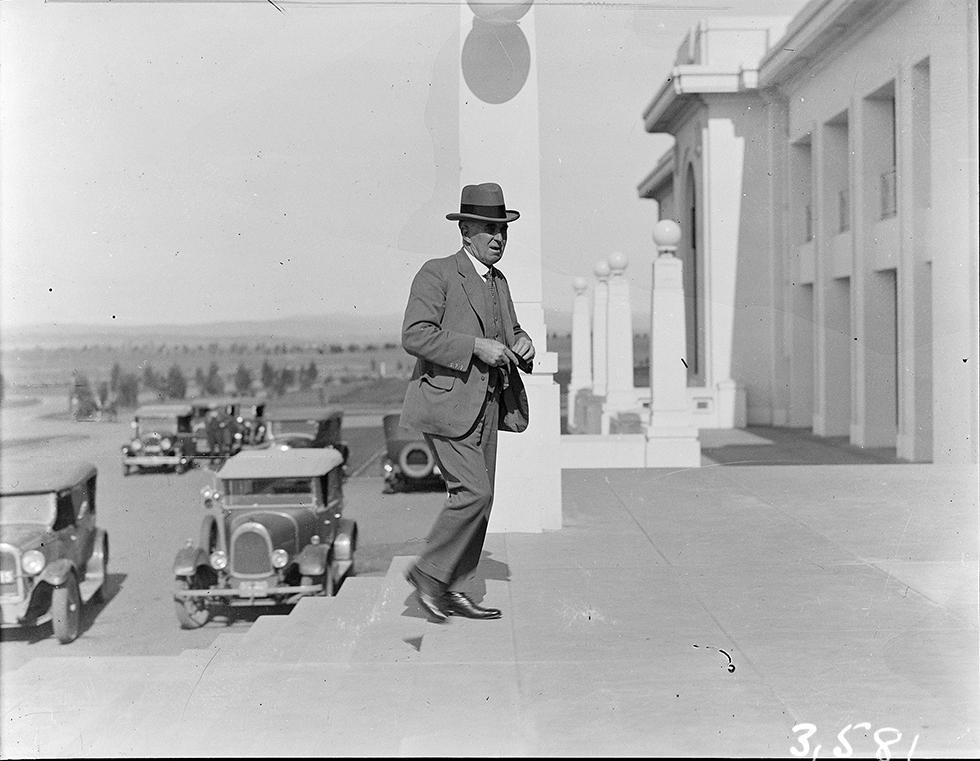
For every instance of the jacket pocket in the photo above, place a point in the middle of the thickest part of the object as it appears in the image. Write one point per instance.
(440, 382)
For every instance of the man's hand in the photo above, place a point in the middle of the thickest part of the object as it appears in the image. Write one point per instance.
(493, 352)
(523, 348)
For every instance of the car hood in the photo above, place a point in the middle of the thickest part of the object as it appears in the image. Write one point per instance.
(289, 529)
(26, 536)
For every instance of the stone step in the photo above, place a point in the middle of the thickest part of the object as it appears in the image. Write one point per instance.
(318, 630)
(69, 706)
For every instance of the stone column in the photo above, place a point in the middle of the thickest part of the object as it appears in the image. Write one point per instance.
(581, 347)
(620, 394)
(498, 142)
(672, 440)
(600, 322)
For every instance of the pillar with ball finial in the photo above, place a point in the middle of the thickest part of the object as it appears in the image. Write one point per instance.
(581, 348)
(672, 439)
(498, 142)
(620, 394)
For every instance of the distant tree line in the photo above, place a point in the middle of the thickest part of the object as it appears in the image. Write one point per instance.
(123, 387)
(241, 348)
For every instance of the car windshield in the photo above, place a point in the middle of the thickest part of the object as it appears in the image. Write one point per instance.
(37, 509)
(161, 425)
(279, 428)
(247, 492)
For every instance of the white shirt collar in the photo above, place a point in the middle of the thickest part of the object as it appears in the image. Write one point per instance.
(481, 268)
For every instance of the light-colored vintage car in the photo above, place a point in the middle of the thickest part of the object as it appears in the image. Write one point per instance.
(274, 531)
(53, 557)
(162, 438)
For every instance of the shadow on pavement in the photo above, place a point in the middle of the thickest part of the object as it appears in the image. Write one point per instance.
(791, 446)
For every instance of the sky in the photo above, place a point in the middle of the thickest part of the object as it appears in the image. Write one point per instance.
(189, 162)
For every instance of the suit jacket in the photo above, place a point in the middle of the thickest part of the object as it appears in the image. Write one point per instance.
(447, 310)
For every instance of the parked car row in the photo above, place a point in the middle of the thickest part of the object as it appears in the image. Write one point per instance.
(273, 529)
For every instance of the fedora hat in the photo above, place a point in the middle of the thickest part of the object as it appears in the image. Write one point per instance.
(483, 203)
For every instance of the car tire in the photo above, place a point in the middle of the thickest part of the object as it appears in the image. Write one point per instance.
(192, 614)
(100, 593)
(416, 460)
(125, 470)
(66, 610)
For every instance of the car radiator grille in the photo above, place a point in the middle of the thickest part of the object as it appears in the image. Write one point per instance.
(250, 554)
(9, 583)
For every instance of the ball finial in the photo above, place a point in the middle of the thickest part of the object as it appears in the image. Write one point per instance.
(618, 262)
(500, 11)
(580, 284)
(601, 269)
(667, 234)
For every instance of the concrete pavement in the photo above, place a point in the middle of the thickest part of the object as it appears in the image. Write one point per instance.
(844, 596)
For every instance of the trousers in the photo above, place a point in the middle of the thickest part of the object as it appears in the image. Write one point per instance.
(468, 464)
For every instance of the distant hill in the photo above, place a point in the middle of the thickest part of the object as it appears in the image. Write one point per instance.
(322, 328)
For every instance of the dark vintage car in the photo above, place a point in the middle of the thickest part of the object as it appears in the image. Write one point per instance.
(53, 557)
(273, 532)
(162, 438)
(408, 461)
(304, 428)
(222, 425)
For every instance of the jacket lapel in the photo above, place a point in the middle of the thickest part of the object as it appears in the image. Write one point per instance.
(474, 287)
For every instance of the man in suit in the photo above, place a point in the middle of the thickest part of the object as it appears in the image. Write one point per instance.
(461, 326)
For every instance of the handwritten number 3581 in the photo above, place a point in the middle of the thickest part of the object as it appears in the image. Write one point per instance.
(844, 749)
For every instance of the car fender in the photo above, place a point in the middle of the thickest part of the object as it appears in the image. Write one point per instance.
(188, 560)
(56, 573)
(345, 542)
(313, 559)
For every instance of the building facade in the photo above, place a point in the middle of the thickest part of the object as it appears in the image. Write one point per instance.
(824, 173)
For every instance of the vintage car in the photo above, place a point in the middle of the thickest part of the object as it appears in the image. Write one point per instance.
(304, 428)
(274, 531)
(408, 461)
(222, 425)
(162, 438)
(53, 557)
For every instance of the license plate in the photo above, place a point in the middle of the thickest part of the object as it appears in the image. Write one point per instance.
(7, 577)
(254, 586)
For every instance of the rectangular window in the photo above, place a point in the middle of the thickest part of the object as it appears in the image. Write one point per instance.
(889, 199)
(843, 210)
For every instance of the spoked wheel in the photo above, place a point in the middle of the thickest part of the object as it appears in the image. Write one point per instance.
(66, 610)
(193, 612)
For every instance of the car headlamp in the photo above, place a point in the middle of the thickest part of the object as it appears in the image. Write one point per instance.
(279, 558)
(136, 445)
(218, 560)
(165, 443)
(33, 562)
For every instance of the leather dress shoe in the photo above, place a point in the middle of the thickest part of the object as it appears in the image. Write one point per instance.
(431, 597)
(459, 604)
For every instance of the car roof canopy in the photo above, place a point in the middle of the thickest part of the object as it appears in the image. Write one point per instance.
(163, 410)
(302, 413)
(277, 463)
(34, 476)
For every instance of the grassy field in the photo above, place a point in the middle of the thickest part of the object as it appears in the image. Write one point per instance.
(350, 374)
